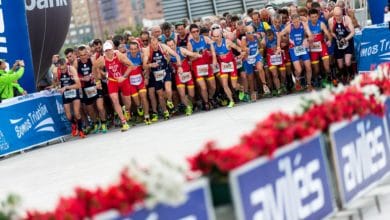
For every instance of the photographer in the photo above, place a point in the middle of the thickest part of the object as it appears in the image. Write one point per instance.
(9, 87)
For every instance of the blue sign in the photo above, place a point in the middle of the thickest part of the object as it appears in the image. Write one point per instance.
(197, 207)
(361, 154)
(374, 47)
(30, 120)
(377, 10)
(293, 185)
(14, 39)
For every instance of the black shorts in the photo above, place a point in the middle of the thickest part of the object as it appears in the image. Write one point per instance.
(339, 54)
(158, 85)
(70, 100)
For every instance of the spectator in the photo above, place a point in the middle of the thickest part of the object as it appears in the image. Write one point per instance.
(9, 87)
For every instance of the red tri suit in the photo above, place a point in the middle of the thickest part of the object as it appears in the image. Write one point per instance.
(115, 69)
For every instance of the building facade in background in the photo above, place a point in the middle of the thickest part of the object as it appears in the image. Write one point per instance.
(80, 28)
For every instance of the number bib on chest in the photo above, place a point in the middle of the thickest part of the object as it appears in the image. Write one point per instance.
(70, 94)
(159, 75)
(185, 77)
(136, 80)
(227, 67)
(276, 59)
(90, 91)
(299, 50)
(203, 70)
(316, 47)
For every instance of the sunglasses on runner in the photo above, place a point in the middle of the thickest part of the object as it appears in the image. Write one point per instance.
(250, 32)
(195, 31)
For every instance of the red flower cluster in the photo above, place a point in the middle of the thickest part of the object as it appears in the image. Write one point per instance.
(87, 203)
(383, 84)
(280, 129)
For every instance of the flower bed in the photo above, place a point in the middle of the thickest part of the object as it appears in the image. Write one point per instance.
(164, 183)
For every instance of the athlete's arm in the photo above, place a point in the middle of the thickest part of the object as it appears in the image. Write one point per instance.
(285, 31)
(327, 33)
(244, 46)
(350, 27)
(308, 31)
(230, 45)
(173, 53)
(186, 52)
(73, 73)
(330, 22)
(212, 49)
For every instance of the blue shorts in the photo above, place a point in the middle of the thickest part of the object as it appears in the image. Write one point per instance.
(301, 57)
(250, 68)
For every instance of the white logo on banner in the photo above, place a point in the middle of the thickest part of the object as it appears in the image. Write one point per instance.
(34, 121)
(3, 142)
(43, 4)
(3, 39)
(287, 198)
(381, 47)
(364, 157)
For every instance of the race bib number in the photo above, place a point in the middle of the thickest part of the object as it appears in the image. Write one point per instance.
(299, 51)
(185, 77)
(90, 91)
(136, 80)
(342, 46)
(239, 63)
(227, 67)
(251, 59)
(216, 69)
(316, 47)
(276, 59)
(70, 94)
(159, 75)
(203, 70)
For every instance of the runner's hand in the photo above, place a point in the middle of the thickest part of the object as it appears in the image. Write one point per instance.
(180, 70)
(154, 65)
(61, 90)
(329, 43)
(121, 79)
(99, 86)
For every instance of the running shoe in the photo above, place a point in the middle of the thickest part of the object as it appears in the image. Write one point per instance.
(147, 120)
(104, 128)
(247, 97)
(188, 110)
(279, 92)
(125, 127)
(241, 95)
(127, 116)
(166, 115)
(74, 130)
(140, 111)
(231, 104)
(82, 135)
(170, 104)
(266, 90)
(298, 87)
(154, 117)
(96, 128)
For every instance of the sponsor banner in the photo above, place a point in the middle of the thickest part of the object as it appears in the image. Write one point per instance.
(374, 47)
(293, 185)
(197, 207)
(14, 39)
(377, 10)
(361, 155)
(30, 120)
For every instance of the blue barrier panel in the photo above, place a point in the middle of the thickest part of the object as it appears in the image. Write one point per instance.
(377, 10)
(14, 39)
(361, 155)
(30, 120)
(374, 47)
(197, 207)
(293, 185)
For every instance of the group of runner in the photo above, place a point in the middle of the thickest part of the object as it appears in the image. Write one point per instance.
(205, 64)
